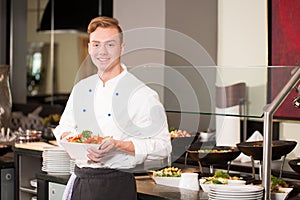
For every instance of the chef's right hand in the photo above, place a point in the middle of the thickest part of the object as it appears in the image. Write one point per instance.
(64, 134)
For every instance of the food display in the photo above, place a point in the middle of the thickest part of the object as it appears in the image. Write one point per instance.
(169, 176)
(181, 140)
(277, 185)
(215, 150)
(211, 155)
(279, 188)
(168, 172)
(86, 137)
(174, 133)
(219, 177)
(77, 146)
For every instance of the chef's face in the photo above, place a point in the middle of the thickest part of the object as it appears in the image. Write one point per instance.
(105, 48)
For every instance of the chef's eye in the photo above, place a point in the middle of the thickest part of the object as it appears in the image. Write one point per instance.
(95, 45)
(110, 44)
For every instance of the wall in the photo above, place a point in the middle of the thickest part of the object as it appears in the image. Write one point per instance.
(242, 41)
(191, 40)
(134, 16)
(163, 37)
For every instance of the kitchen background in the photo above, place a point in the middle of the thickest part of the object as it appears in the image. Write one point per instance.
(233, 32)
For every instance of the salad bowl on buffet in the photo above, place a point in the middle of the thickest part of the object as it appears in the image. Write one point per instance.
(169, 176)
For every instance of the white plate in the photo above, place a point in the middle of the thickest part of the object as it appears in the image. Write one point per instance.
(255, 196)
(57, 167)
(55, 170)
(53, 149)
(33, 183)
(241, 189)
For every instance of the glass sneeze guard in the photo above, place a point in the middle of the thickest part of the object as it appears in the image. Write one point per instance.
(193, 89)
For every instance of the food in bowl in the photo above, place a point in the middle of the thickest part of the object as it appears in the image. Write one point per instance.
(220, 177)
(169, 176)
(179, 133)
(282, 194)
(168, 172)
(277, 184)
(86, 137)
(76, 146)
(279, 188)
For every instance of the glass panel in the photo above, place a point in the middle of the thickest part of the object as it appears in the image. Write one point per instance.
(214, 90)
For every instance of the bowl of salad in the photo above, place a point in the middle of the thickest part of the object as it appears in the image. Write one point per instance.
(220, 177)
(169, 176)
(76, 146)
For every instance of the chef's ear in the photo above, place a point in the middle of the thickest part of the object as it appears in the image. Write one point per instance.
(89, 48)
(122, 47)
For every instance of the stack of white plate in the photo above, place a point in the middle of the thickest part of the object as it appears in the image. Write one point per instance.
(72, 165)
(56, 161)
(229, 192)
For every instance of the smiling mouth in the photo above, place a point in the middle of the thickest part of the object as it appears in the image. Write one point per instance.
(103, 59)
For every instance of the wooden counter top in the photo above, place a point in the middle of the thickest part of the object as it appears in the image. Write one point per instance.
(37, 146)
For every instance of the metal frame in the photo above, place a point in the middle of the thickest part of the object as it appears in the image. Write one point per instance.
(269, 110)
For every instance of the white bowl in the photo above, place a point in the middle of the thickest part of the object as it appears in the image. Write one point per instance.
(281, 196)
(236, 182)
(204, 187)
(168, 181)
(189, 181)
(78, 151)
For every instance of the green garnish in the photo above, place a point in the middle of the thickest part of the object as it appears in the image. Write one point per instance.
(275, 181)
(86, 134)
(220, 174)
(172, 129)
(216, 182)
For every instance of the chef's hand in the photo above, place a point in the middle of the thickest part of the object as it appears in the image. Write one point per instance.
(64, 134)
(109, 145)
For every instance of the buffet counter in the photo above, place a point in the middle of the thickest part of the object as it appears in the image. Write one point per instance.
(146, 188)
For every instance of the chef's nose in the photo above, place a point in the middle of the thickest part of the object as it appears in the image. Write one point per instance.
(101, 49)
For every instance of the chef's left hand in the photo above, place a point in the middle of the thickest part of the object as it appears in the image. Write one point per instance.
(108, 146)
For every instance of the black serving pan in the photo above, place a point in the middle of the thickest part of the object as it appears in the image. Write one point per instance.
(294, 165)
(255, 149)
(181, 144)
(214, 154)
(4, 149)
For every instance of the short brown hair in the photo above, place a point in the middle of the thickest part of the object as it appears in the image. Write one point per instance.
(104, 22)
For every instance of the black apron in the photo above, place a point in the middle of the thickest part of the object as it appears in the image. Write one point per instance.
(103, 184)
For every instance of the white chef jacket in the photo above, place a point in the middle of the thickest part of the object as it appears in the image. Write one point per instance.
(123, 108)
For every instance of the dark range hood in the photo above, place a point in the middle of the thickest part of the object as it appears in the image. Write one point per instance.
(74, 15)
